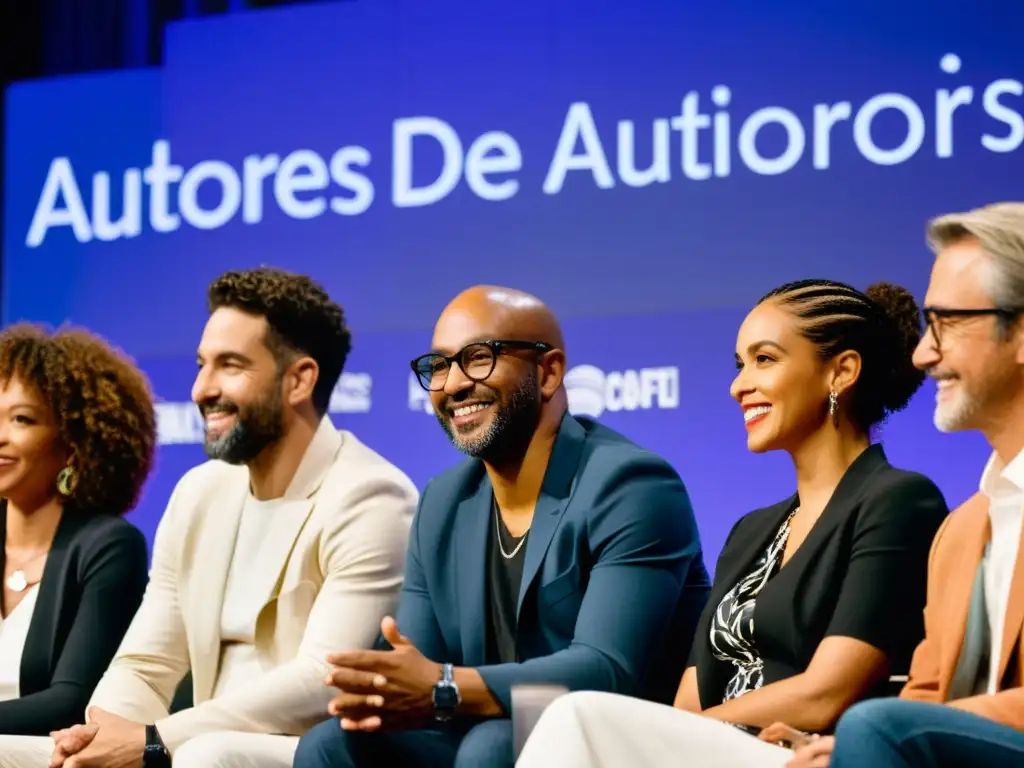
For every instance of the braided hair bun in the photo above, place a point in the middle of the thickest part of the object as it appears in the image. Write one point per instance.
(901, 330)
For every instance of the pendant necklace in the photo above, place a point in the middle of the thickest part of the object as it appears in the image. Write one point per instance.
(17, 581)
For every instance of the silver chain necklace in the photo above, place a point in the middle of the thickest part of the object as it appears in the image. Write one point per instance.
(497, 532)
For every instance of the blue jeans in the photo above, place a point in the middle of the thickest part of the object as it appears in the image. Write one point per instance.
(488, 745)
(894, 733)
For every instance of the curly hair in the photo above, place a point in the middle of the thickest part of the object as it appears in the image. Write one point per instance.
(101, 404)
(302, 319)
(883, 324)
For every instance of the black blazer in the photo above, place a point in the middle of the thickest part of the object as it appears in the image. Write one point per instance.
(92, 585)
(861, 573)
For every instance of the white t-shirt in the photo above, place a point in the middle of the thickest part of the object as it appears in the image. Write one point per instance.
(238, 661)
(13, 633)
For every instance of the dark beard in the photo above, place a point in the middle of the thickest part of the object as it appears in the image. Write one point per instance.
(509, 434)
(257, 426)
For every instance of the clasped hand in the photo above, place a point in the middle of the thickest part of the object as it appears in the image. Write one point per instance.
(107, 741)
(389, 690)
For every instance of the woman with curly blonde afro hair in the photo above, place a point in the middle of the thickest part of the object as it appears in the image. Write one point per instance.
(77, 436)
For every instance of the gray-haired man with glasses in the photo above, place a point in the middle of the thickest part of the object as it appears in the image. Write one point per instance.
(559, 553)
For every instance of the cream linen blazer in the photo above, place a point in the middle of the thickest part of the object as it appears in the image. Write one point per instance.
(337, 571)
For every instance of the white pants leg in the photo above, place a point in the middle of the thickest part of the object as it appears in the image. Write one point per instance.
(602, 730)
(213, 750)
(229, 749)
(25, 751)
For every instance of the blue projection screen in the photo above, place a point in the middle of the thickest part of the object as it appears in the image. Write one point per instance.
(649, 172)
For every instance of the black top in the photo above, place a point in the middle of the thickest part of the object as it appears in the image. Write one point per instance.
(732, 627)
(504, 575)
(92, 584)
(861, 572)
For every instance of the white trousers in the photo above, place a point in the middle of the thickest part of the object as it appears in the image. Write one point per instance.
(603, 730)
(212, 750)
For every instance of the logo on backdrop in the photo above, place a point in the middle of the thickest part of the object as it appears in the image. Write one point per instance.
(419, 398)
(181, 424)
(352, 394)
(592, 391)
(178, 424)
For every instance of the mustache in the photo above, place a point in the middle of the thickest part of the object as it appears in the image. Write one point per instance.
(217, 406)
(475, 395)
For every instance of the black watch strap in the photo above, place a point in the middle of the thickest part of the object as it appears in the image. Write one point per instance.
(155, 755)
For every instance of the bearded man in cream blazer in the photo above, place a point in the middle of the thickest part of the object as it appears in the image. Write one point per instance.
(286, 547)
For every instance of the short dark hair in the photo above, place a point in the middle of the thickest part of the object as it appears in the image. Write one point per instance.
(882, 324)
(102, 406)
(302, 319)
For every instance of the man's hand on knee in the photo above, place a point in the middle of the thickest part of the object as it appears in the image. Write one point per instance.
(71, 741)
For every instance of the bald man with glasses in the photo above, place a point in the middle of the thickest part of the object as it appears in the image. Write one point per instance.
(558, 553)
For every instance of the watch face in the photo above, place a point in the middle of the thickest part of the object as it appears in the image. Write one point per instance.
(155, 756)
(445, 696)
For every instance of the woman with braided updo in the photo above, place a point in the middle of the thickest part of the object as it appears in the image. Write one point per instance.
(817, 600)
(77, 435)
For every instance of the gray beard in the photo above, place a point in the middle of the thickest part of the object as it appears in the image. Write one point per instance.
(511, 430)
(240, 445)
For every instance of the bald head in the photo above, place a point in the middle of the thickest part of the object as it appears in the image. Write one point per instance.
(492, 312)
(496, 396)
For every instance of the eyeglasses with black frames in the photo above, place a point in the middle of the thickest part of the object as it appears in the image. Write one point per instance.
(937, 318)
(477, 361)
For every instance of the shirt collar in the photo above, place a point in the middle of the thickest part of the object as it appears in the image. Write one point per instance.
(1001, 480)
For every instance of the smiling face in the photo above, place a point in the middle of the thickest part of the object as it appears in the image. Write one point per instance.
(977, 369)
(782, 384)
(495, 418)
(31, 453)
(238, 387)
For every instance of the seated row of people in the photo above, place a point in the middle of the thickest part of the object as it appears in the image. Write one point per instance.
(326, 614)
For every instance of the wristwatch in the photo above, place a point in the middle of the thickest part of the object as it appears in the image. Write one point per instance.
(446, 695)
(155, 755)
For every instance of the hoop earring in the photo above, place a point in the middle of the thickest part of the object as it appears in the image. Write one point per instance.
(833, 404)
(67, 481)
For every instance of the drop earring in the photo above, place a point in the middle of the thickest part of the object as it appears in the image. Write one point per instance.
(67, 481)
(833, 404)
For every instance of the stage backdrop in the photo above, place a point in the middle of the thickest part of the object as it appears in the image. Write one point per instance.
(648, 170)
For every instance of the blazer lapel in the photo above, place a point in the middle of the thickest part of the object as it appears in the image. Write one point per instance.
(957, 600)
(37, 661)
(276, 548)
(553, 499)
(222, 513)
(1013, 624)
(546, 516)
(741, 563)
(472, 522)
(847, 493)
(295, 508)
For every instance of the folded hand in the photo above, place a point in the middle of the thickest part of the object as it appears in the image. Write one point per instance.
(71, 741)
(383, 689)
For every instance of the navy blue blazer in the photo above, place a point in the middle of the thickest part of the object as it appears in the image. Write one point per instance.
(613, 579)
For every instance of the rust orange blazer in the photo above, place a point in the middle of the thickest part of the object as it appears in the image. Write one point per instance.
(953, 562)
